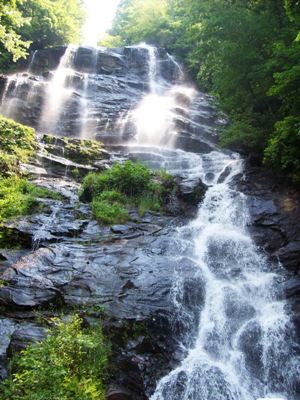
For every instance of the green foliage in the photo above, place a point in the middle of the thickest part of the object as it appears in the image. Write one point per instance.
(140, 20)
(37, 24)
(112, 196)
(80, 151)
(52, 22)
(16, 139)
(108, 212)
(283, 149)
(129, 178)
(130, 184)
(111, 41)
(15, 199)
(9, 165)
(148, 201)
(19, 197)
(70, 364)
(11, 20)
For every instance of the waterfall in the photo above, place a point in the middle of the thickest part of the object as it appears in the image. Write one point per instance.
(155, 116)
(57, 94)
(152, 66)
(88, 123)
(244, 345)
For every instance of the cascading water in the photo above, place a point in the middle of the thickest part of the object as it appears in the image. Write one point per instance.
(154, 117)
(57, 92)
(244, 348)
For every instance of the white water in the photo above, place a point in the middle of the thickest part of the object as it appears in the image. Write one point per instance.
(244, 347)
(88, 123)
(57, 92)
(155, 116)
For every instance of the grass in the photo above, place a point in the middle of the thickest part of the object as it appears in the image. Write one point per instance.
(19, 197)
(114, 191)
(70, 364)
(16, 139)
(109, 213)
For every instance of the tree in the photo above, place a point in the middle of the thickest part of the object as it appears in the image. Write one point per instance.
(52, 22)
(11, 19)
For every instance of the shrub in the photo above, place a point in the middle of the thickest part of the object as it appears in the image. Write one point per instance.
(148, 201)
(124, 185)
(283, 149)
(19, 197)
(129, 178)
(17, 139)
(9, 165)
(113, 196)
(70, 364)
(109, 213)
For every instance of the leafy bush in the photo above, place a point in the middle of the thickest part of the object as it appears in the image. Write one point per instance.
(129, 178)
(70, 364)
(283, 150)
(113, 196)
(16, 139)
(109, 213)
(9, 164)
(148, 201)
(19, 197)
(124, 185)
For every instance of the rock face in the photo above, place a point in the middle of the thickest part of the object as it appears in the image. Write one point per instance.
(99, 88)
(274, 209)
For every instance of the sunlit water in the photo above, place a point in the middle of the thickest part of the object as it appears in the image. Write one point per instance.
(57, 92)
(244, 347)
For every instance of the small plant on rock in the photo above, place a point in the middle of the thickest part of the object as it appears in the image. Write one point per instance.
(114, 191)
(70, 364)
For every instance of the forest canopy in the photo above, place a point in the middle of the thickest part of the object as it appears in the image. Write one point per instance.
(32, 24)
(246, 53)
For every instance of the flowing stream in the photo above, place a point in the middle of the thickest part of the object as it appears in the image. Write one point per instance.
(243, 349)
(244, 345)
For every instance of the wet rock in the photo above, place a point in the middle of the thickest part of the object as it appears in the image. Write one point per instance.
(122, 229)
(26, 284)
(3, 82)
(292, 287)
(118, 393)
(25, 335)
(192, 191)
(289, 255)
(274, 215)
(250, 344)
(7, 327)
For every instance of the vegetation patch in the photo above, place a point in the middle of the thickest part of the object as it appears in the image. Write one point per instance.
(114, 191)
(70, 364)
(79, 151)
(19, 197)
(17, 143)
(16, 139)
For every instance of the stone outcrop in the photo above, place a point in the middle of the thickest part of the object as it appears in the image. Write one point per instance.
(274, 208)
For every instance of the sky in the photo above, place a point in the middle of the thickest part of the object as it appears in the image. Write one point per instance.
(100, 14)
